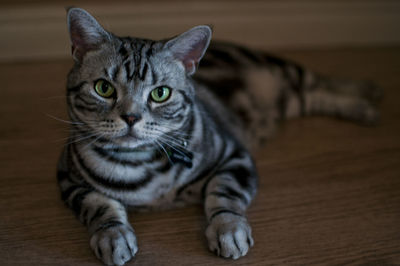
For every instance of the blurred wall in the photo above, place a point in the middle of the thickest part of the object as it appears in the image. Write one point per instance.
(36, 29)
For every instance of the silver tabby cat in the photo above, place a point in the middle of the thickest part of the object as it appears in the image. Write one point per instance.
(149, 133)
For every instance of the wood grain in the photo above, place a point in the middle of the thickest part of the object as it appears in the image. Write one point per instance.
(329, 189)
(27, 28)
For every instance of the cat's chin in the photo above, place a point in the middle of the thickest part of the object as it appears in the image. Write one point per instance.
(129, 137)
(128, 142)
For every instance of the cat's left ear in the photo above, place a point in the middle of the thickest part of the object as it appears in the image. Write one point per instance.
(190, 47)
(85, 32)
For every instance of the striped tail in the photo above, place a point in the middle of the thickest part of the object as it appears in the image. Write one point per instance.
(320, 95)
(262, 89)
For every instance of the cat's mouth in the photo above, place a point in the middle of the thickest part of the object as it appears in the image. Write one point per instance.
(129, 136)
(127, 141)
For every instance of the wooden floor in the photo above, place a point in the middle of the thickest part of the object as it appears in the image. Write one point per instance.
(329, 190)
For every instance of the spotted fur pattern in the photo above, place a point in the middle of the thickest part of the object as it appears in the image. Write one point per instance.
(192, 148)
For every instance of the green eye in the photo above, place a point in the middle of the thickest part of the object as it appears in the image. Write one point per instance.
(104, 88)
(160, 94)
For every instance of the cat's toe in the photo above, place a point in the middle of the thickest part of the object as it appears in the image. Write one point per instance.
(229, 236)
(115, 245)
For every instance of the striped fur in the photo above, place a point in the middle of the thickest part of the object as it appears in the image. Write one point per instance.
(213, 119)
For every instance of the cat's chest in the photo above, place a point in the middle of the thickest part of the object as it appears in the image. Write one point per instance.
(152, 182)
(162, 192)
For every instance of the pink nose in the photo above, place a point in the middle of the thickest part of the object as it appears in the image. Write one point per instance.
(130, 119)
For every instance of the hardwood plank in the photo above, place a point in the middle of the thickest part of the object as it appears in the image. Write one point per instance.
(329, 189)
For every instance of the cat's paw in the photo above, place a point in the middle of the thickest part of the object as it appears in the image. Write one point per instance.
(229, 236)
(114, 244)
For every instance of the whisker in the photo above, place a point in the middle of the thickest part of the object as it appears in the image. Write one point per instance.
(181, 136)
(174, 148)
(65, 121)
(168, 126)
(166, 153)
(90, 143)
(173, 141)
(174, 131)
(170, 140)
(81, 139)
(75, 136)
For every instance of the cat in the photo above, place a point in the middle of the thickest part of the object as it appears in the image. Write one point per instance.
(153, 128)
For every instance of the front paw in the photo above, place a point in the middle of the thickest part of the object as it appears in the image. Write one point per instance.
(114, 243)
(229, 235)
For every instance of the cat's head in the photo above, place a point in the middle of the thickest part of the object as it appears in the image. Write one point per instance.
(128, 91)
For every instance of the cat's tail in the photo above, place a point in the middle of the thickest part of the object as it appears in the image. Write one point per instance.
(261, 89)
(283, 90)
(258, 84)
(310, 93)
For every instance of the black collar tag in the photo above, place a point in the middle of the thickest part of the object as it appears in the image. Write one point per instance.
(181, 156)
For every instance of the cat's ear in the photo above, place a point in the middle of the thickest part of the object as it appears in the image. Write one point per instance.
(85, 32)
(190, 47)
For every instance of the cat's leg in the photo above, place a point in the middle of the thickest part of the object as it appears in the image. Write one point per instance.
(112, 238)
(227, 195)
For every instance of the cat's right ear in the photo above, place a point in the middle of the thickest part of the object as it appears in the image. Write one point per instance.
(85, 32)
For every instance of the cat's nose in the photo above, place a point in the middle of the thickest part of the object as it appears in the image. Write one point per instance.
(131, 119)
